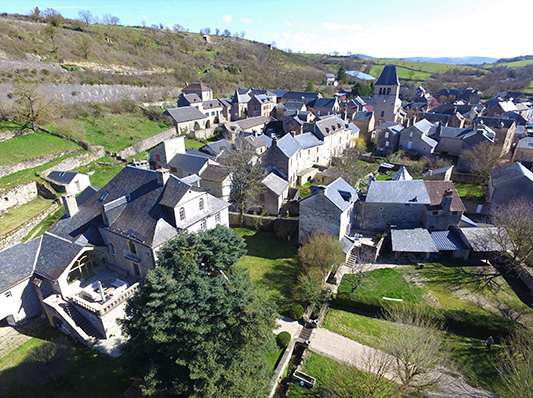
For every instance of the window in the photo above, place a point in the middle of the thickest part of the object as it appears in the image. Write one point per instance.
(382, 113)
(262, 197)
(381, 209)
(203, 225)
(217, 217)
(182, 214)
(454, 213)
(131, 247)
(435, 213)
(410, 134)
(158, 158)
(386, 143)
(388, 90)
(386, 134)
(380, 91)
(136, 269)
(201, 204)
(8, 294)
(112, 249)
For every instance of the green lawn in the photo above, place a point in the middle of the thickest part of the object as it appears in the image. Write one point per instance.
(20, 215)
(472, 192)
(331, 374)
(43, 226)
(469, 354)
(273, 357)
(102, 173)
(31, 146)
(195, 144)
(6, 126)
(271, 264)
(386, 282)
(383, 177)
(91, 374)
(305, 189)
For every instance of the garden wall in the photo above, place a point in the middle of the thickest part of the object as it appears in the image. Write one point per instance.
(284, 228)
(76, 161)
(17, 196)
(145, 144)
(31, 163)
(15, 133)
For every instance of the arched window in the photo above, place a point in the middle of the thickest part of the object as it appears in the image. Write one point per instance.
(85, 265)
(182, 214)
(388, 90)
(201, 204)
(382, 113)
(381, 91)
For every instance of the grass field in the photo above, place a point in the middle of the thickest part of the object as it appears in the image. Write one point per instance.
(271, 264)
(102, 173)
(90, 373)
(386, 282)
(472, 192)
(13, 126)
(428, 67)
(20, 215)
(515, 64)
(31, 146)
(43, 226)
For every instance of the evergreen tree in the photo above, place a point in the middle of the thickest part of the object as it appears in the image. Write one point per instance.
(196, 328)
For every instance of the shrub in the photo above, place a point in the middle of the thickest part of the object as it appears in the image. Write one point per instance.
(283, 339)
(296, 312)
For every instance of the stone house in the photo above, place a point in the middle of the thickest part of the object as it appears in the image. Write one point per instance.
(239, 104)
(433, 205)
(417, 138)
(330, 79)
(335, 133)
(283, 158)
(187, 118)
(524, 150)
(324, 106)
(327, 209)
(299, 96)
(162, 153)
(200, 89)
(513, 182)
(504, 129)
(92, 260)
(365, 121)
(216, 179)
(261, 105)
(387, 137)
(387, 104)
(274, 191)
(71, 182)
(288, 109)
(254, 125)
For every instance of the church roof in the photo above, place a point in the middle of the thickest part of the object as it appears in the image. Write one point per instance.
(388, 77)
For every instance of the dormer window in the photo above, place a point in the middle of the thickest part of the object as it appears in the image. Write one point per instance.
(201, 204)
(182, 214)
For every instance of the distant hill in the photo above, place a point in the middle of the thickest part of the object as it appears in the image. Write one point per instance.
(455, 61)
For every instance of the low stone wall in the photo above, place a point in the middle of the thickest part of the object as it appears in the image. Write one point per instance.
(16, 235)
(15, 133)
(282, 365)
(17, 196)
(31, 163)
(146, 144)
(205, 133)
(284, 228)
(76, 161)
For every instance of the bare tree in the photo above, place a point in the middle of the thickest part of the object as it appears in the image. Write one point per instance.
(31, 105)
(205, 31)
(108, 19)
(516, 364)
(226, 33)
(481, 160)
(53, 17)
(514, 232)
(322, 252)
(417, 348)
(51, 31)
(86, 16)
(84, 46)
(359, 261)
(217, 31)
(178, 28)
(243, 33)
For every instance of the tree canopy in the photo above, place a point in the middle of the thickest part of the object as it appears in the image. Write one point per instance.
(196, 327)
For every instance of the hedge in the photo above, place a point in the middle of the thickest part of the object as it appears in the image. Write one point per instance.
(480, 325)
(296, 312)
(283, 339)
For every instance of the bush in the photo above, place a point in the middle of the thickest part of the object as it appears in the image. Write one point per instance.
(296, 312)
(283, 339)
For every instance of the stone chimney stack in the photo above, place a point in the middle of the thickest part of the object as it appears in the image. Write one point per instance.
(162, 176)
(70, 204)
(446, 202)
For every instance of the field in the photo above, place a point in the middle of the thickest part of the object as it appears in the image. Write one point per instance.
(472, 192)
(515, 64)
(32, 146)
(20, 215)
(271, 264)
(102, 171)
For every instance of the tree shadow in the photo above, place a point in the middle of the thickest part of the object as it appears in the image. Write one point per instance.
(265, 244)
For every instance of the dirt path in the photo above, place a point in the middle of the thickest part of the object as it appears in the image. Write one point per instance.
(11, 338)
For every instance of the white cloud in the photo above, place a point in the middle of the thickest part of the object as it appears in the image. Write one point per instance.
(339, 26)
(144, 17)
(246, 20)
(275, 35)
(300, 35)
(311, 36)
(226, 18)
(287, 22)
(285, 34)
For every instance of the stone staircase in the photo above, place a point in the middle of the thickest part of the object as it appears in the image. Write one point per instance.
(80, 321)
(305, 334)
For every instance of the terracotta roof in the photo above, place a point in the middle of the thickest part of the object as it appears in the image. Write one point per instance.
(435, 190)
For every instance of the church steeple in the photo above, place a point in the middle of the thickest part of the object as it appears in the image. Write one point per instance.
(387, 104)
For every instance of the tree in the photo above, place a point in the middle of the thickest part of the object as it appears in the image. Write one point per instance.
(321, 252)
(416, 345)
(51, 31)
(246, 176)
(358, 265)
(31, 105)
(341, 74)
(108, 19)
(515, 364)
(35, 14)
(310, 86)
(178, 28)
(196, 327)
(86, 16)
(217, 31)
(362, 90)
(53, 17)
(49, 360)
(514, 232)
(84, 46)
(226, 33)
(481, 160)
(205, 31)
(243, 33)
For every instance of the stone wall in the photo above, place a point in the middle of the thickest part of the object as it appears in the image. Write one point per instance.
(17, 196)
(377, 216)
(146, 144)
(31, 163)
(76, 161)
(284, 228)
(10, 134)
(16, 235)
(204, 133)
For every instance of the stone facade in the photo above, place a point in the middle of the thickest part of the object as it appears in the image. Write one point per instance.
(379, 216)
(19, 302)
(17, 196)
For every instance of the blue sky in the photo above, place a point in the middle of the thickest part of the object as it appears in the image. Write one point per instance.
(380, 28)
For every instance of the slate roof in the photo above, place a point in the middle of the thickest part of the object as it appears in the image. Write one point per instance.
(508, 173)
(288, 145)
(526, 142)
(402, 175)
(210, 104)
(307, 140)
(424, 126)
(63, 177)
(327, 103)
(86, 194)
(329, 125)
(276, 184)
(388, 77)
(363, 116)
(215, 173)
(266, 139)
(448, 240)
(187, 162)
(185, 114)
(251, 122)
(392, 126)
(174, 192)
(196, 87)
(494, 122)
(55, 255)
(293, 105)
(330, 75)
(255, 141)
(480, 239)
(436, 117)
(301, 96)
(341, 194)
(416, 240)
(435, 190)
(405, 192)
(17, 262)
(215, 148)
(192, 98)
(428, 140)
(453, 132)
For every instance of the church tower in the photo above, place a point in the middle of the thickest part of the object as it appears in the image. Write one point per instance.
(387, 104)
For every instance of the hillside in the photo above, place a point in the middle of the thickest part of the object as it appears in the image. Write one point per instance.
(91, 54)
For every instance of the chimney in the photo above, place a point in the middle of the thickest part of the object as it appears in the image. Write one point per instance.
(446, 202)
(162, 176)
(70, 204)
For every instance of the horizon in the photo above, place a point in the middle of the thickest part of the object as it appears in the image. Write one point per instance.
(384, 30)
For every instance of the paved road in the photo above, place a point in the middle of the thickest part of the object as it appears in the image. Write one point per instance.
(342, 349)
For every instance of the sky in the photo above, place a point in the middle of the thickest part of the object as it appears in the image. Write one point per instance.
(378, 28)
